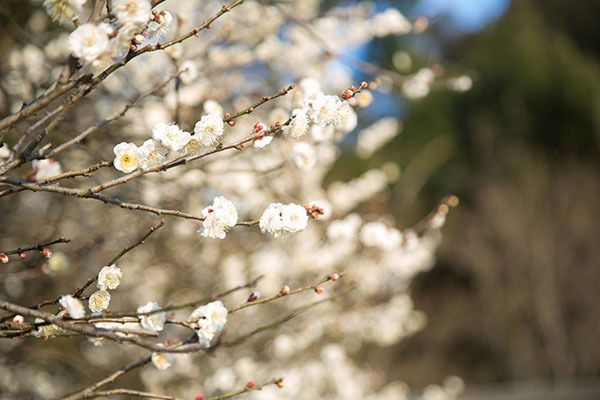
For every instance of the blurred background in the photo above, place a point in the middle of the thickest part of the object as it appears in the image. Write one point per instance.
(512, 302)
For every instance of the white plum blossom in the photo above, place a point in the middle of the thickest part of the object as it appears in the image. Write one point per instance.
(279, 219)
(294, 217)
(219, 217)
(209, 320)
(298, 127)
(63, 10)
(158, 28)
(126, 157)
(162, 360)
(99, 301)
(135, 12)
(152, 322)
(271, 221)
(73, 306)
(209, 129)
(109, 277)
(151, 154)
(262, 141)
(326, 110)
(45, 169)
(89, 41)
(171, 136)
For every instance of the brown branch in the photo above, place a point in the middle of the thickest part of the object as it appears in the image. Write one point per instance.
(290, 293)
(77, 139)
(109, 379)
(262, 101)
(39, 246)
(136, 393)
(246, 389)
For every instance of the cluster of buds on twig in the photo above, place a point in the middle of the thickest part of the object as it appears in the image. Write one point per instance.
(352, 90)
(313, 210)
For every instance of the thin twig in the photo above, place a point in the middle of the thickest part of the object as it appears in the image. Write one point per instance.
(39, 246)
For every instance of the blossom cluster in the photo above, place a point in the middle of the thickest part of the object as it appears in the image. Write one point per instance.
(208, 320)
(99, 45)
(109, 277)
(218, 218)
(165, 137)
(279, 219)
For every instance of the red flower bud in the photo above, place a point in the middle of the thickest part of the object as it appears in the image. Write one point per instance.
(250, 384)
(319, 289)
(253, 296)
(334, 276)
(46, 252)
(3, 258)
(284, 290)
(23, 256)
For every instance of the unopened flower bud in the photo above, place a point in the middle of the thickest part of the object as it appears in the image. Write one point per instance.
(231, 123)
(3, 258)
(199, 397)
(23, 255)
(334, 276)
(138, 39)
(279, 383)
(284, 290)
(319, 289)
(250, 384)
(347, 94)
(259, 126)
(46, 252)
(18, 319)
(254, 296)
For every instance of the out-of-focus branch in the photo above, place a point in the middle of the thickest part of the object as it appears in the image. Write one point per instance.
(248, 388)
(38, 247)
(129, 392)
(259, 103)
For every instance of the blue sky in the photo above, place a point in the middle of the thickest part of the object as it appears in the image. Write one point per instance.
(466, 15)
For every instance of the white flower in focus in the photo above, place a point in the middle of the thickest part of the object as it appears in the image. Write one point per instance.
(126, 157)
(299, 124)
(152, 322)
(171, 136)
(63, 10)
(45, 169)
(263, 141)
(219, 217)
(89, 41)
(304, 156)
(294, 217)
(390, 22)
(326, 110)
(209, 320)
(271, 221)
(135, 12)
(151, 154)
(73, 306)
(188, 71)
(209, 129)
(99, 301)
(109, 277)
(120, 44)
(47, 331)
(162, 360)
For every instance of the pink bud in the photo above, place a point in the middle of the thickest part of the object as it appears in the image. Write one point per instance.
(254, 296)
(347, 94)
(138, 39)
(259, 126)
(18, 319)
(250, 384)
(199, 397)
(334, 276)
(284, 290)
(3, 258)
(319, 289)
(46, 252)
(23, 255)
